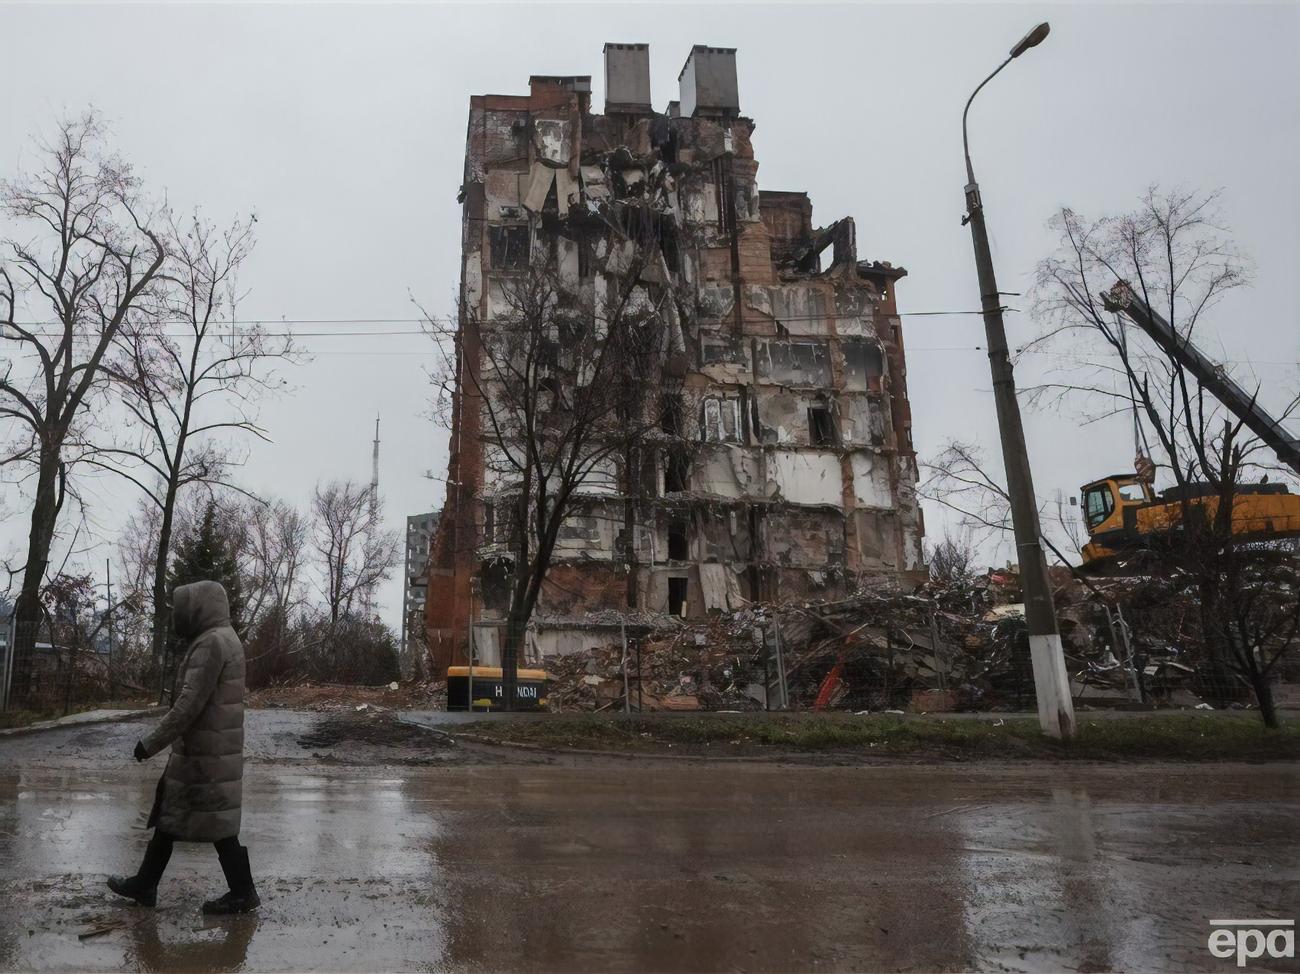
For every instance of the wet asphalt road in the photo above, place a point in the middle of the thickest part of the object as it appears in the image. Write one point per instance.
(419, 856)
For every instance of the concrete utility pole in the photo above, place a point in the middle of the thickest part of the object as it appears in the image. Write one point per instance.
(112, 674)
(1051, 681)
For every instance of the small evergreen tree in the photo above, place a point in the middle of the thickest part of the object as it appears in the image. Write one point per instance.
(209, 553)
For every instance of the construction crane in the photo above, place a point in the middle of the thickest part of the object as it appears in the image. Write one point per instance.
(1122, 512)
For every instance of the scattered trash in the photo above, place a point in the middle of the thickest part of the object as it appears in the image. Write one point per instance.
(97, 926)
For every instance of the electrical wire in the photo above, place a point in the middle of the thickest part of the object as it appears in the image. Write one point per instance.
(451, 319)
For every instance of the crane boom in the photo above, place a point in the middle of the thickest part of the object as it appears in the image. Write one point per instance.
(1211, 374)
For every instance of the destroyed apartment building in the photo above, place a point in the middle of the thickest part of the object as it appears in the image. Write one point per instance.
(800, 479)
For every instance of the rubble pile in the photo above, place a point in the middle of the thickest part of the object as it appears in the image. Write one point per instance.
(706, 667)
(957, 646)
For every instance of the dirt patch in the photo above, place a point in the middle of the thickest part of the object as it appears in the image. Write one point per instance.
(323, 698)
(373, 729)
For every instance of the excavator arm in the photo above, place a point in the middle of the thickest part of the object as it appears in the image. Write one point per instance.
(1209, 373)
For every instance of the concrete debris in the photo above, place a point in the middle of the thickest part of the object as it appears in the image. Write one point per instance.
(942, 648)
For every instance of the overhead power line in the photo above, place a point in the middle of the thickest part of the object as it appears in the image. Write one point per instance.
(451, 319)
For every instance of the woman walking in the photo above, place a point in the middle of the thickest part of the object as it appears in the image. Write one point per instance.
(199, 795)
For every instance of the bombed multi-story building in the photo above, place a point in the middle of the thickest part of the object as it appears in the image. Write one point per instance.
(788, 471)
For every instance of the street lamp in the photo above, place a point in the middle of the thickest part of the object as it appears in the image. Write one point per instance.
(1051, 681)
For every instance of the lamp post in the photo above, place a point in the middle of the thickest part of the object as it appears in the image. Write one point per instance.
(1051, 681)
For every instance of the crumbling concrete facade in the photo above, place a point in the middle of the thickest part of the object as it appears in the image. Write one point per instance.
(801, 483)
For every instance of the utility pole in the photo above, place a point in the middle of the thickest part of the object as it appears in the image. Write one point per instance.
(1051, 680)
(112, 674)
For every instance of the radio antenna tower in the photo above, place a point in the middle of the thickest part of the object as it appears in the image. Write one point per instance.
(368, 596)
(374, 477)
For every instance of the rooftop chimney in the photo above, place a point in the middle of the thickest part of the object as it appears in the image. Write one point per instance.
(708, 82)
(627, 78)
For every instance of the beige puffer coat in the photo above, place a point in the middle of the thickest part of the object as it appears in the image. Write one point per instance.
(201, 790)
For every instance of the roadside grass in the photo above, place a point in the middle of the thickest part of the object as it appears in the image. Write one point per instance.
(19, 718)
(1183, 737)
(25, 718)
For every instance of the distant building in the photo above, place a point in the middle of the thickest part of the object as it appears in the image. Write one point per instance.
(415, 585)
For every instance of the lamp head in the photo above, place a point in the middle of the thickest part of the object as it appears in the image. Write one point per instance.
(1032, 39)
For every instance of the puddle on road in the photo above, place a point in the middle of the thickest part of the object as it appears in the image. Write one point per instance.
(627, 866)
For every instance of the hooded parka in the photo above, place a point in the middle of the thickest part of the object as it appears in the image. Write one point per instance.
(201, 790)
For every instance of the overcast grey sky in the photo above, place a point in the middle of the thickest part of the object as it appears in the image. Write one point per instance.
(344, 126)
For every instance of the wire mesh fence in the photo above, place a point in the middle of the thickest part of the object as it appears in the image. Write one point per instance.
(55, 669)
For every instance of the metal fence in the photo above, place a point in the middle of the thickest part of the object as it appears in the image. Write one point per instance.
(52, 669)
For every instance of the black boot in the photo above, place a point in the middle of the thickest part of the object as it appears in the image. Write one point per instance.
(143, 886)
(239, 877)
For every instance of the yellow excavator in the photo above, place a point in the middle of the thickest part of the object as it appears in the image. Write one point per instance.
(1123, 514)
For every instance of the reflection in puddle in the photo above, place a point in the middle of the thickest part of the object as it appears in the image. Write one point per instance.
(221, 946)
(629, 866)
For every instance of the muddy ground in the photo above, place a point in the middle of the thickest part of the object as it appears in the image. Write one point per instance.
(333, 696)
(408, 852)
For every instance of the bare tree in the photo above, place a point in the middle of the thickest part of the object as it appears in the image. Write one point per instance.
(356, 554)
(958, 479)
(92, 256)
(276, 536)
(187, 384)
(570, 388)
(1174, 254)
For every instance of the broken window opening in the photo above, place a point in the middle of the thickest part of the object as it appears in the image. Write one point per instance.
(722, 350)
(679, 547)
(821, 426)
(668, 243)
(573, 333)
(510, 245)
(577, 527)
(675, 473)
(584, 255)
(548, 356)
(677, 594)
(796, 363)
(670, 417)
(864, 365)
(825, 259)
(668, 147)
